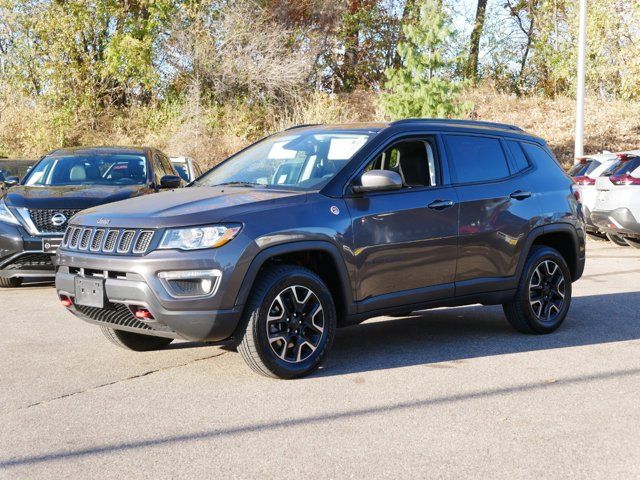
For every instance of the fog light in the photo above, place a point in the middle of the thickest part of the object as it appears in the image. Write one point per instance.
(191, 283)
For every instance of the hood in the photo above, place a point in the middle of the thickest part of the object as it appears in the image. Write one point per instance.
(187, 206)
(69, 197)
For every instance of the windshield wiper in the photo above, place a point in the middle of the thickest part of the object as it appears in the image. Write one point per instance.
(239, 184)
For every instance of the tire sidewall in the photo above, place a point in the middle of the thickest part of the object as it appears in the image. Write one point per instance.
(286, 369)
(537, 258)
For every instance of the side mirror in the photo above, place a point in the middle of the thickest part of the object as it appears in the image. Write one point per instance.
(170, 181)
(378, 181)
(11, 181)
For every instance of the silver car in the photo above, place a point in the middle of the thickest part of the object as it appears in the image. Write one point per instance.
(617, 207)
(584, 174)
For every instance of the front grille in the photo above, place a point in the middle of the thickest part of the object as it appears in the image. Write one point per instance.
(114, 240)
(41, 218)
(31, 261)
(118, 314)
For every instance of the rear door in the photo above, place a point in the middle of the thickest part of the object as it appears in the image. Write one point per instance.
(497, 208)
(405, 241)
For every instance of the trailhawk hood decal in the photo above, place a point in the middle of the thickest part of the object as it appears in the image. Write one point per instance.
(185, 207)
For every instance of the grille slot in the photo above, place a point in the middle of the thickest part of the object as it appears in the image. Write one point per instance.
(84, 239)
(125, 241)
(113, 241)
(110, 242)
(143, 242)
(41, 218)
(96, 242)
(75, 236)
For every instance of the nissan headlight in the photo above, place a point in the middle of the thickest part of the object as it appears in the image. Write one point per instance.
(197, 238)
(6, 215)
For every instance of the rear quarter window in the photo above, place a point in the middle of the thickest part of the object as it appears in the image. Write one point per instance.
(477, 159)
(538, 155)
(517, 155)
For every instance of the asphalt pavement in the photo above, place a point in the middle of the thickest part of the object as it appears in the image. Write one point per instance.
(449, 393)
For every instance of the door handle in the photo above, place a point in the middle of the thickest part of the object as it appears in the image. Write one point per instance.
(440, 204)
(520, 195)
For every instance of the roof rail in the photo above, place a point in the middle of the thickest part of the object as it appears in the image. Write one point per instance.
(478, 123)
(302, 125)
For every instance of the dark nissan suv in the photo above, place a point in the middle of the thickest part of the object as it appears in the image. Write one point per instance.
(320, 227)
(34, 212)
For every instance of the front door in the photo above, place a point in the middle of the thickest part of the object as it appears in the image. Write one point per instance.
(405, 241)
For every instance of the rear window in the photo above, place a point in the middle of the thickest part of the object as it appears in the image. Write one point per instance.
(539, 156)
(477, 159)
(518, 155)
(623, 167)
(580, 169)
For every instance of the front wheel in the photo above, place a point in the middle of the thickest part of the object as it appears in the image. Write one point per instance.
(289, 323)
(543, 296)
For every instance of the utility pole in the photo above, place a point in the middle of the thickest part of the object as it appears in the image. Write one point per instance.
(582, 39)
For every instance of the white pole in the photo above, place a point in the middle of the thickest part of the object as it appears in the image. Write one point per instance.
(579, 148)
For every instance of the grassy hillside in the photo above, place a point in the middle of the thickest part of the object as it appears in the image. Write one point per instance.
(209, 134)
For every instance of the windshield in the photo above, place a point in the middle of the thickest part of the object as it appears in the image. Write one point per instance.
(305, 160)
(94, 169)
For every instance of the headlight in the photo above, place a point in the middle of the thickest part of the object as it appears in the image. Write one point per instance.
(196, 238)
(6, 215)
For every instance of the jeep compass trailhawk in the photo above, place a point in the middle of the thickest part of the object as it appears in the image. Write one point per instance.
(320, 227)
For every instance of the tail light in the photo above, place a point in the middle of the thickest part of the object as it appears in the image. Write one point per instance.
(624, 156)
(624, 179)
(581, 160)
(584, 180)
(576, 191)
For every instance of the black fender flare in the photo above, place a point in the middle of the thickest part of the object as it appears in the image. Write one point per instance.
(294, 247)
(554, 228)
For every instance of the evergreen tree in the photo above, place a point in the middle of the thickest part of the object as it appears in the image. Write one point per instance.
(422, 85)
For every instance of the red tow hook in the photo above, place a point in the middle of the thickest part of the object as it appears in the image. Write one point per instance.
(66, 301)
(142, 313)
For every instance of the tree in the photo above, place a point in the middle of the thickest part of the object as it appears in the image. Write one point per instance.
(474, 47)
(422, 86)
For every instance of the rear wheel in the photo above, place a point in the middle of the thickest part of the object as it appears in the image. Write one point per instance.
(617, 239)
(543, 297)
(634, 242)
(135, 341)
(10, 282)
(289, 323)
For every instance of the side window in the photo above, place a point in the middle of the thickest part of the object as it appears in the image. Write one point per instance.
(477, 159)
(413, 160)
(539, 156)
(520, 160)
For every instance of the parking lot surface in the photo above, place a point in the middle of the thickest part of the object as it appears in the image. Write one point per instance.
(449, 393)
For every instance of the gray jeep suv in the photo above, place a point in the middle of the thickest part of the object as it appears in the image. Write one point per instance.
(319, 227)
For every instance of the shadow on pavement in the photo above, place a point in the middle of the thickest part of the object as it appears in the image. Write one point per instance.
(467, 332)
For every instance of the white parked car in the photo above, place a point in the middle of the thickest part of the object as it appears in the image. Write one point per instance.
(617, 207)
(584, 174)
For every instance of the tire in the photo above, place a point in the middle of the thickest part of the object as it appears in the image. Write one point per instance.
(553, 285)
(618, 240)
(10, 282)
(286, 332)
(135, 341)
(633, 242)
(598, 237)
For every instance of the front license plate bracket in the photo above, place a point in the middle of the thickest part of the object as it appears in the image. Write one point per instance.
(90, 292)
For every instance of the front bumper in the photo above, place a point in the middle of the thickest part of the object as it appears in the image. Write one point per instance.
(619, 221)
(132, 282)
(21, 254)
